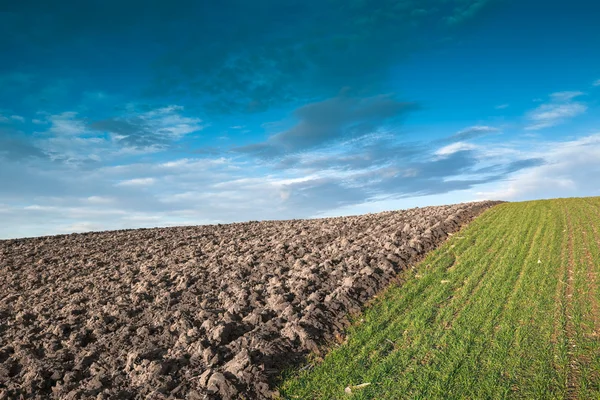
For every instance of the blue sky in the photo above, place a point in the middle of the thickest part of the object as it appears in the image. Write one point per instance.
(125, 114)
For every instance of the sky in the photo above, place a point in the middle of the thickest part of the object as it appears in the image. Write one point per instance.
(129, 114)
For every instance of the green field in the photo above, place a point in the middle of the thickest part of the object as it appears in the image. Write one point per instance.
(506, 308)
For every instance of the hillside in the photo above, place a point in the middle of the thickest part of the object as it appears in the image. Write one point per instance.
(507, 308)
(191, 312)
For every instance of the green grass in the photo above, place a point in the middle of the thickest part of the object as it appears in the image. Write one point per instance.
(509, 307)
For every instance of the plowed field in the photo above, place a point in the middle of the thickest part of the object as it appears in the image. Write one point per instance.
(195, 312)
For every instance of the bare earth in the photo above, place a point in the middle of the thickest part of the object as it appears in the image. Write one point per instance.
(195, 312)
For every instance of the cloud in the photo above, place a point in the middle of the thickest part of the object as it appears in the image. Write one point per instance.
(511, 166)
(331, 120)
(100, 200)
(4, 119)
(219, 189)
(137, 182)
(455, 147)
(565, 96)
(340, 178)
(16, 146)
(570, 169)
(313, 196)
(131, 132)
(66, 124)
(430, 176)
(71, 139)
(334, 188)
(473, 132)
(518, 165)
(560, 108)
(596, 83)
(153, 129)
(501, 106)
(366, 152)
(76, 150)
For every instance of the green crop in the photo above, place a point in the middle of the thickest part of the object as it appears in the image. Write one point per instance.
(509, 307)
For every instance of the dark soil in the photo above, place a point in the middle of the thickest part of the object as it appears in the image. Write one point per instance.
(195, 312)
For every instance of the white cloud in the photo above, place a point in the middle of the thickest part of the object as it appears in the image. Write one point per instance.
(138, 132)
(454, 147)
(501, 106)
(560, 108)
(553, 112)
(473, 132)
(73, 140)
(565, 96)
(164, 111)
(128, 193)
(168, 120)
(210, 190)
(136, 151)
(137, 182)
(37, 207)
(177, 163)
(549, 115)
(596, 83)
(99, 200)
(75, 149)
(572, 168)
(66, 124)
(10, 118)
(189, 165)
(172, 124)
